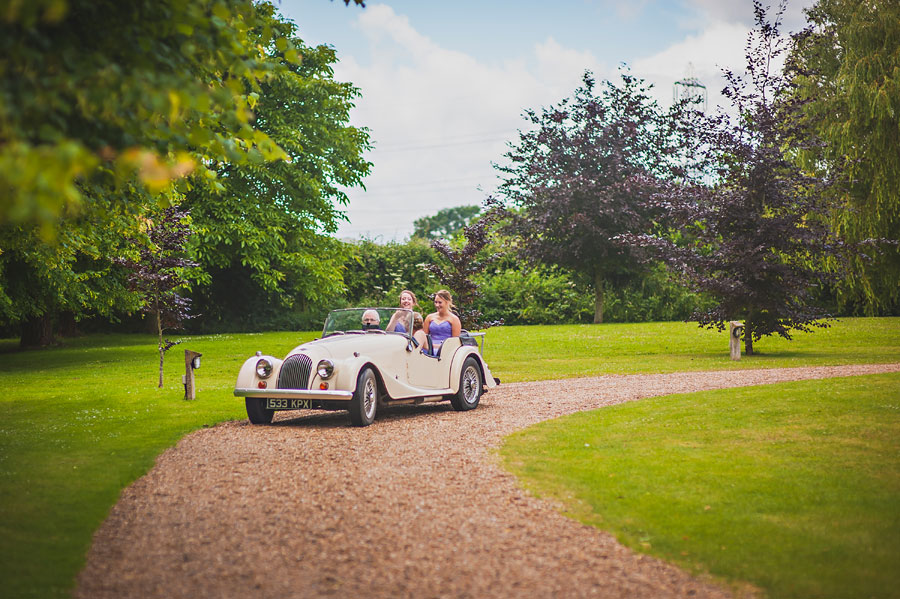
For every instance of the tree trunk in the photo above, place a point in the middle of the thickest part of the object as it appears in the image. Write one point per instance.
(67, 326)
(748, 337)
(598, 299)
(37, 331)
(162, 352)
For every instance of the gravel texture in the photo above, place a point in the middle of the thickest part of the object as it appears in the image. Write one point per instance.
(413, 506)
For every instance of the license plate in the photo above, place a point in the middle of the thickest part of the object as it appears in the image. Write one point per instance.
(283, 403)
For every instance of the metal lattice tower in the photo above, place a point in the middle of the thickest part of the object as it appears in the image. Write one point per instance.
(690, 88)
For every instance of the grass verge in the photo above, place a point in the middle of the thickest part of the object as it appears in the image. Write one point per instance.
(791, 487)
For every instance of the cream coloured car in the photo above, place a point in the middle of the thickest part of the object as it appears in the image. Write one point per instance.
(366, 358)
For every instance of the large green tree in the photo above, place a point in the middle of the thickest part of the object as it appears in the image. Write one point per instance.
(847, 68)
(47, 284)
(108, 109)
(105, 90)
(266, 239)
(447, 223)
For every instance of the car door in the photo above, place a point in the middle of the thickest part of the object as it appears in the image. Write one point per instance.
(427, 372)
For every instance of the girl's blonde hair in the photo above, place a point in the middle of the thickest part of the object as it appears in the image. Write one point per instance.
(445, 295)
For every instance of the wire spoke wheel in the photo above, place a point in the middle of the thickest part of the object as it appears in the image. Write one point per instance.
(470, 386)
(365, 399)
(369, 398)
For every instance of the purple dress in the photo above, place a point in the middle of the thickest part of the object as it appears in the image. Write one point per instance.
(440, 332)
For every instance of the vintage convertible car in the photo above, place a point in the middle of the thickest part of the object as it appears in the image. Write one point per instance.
(366, 357)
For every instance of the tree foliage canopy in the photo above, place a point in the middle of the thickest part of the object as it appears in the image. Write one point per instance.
(109, 110)
(268, 231)
(462, 264)
(757, 238)
(847, 68)
(100, 91)
(575, 176)
(447, 223)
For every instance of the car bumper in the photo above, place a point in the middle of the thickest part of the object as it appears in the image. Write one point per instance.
(295, 394)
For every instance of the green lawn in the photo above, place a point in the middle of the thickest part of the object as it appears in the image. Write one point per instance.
(82, 421)
(536, 353)
(794, 487)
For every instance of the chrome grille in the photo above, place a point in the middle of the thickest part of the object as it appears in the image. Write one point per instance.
(294, 372)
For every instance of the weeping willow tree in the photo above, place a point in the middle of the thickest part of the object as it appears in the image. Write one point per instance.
(847, 68)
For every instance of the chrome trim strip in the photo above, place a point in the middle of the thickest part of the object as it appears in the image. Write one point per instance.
(294, 393)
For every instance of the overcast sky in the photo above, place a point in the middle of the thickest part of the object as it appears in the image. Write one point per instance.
(444, 83)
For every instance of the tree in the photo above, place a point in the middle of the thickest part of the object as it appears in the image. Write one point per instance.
(847, 68)
(574, 178)
(465, 263)
(755, 240)
(109, 108)
(72, 276)
(268, 232)
(143, 91)
(447, 223)
(376, 273)
(158, 270)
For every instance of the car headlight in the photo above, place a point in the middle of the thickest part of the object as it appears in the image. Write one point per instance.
(264, 368)
(325, 369)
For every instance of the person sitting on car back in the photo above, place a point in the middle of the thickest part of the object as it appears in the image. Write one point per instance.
(418, 334)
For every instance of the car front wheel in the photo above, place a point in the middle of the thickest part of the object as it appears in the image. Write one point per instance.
(257, 412)
(470, 386)
(365, 399)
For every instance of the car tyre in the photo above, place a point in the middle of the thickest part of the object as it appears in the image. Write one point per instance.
(471, 386)
(365, 399)
(257, 411)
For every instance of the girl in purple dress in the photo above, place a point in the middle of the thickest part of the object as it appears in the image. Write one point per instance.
(442, 324)
(408, 301)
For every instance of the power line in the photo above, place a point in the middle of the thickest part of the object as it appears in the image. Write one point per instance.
(447, 141)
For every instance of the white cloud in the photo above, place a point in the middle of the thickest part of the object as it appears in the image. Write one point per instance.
(439, 116)
(560, 69)
(720, 45)
(741, 11)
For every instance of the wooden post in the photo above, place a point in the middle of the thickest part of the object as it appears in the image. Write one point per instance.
(190, 391)
(735, 331)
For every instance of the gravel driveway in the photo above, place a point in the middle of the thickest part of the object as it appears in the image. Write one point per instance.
(412, 506)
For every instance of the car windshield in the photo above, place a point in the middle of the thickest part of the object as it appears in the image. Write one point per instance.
(369, 320)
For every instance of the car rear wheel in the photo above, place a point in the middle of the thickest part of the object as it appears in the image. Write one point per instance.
(470, 386)
(257, 412)
(365, 399)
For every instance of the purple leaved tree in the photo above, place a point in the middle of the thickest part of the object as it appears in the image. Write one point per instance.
(582, 173)
(159, 270)
(464, 263)
(757, 238)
